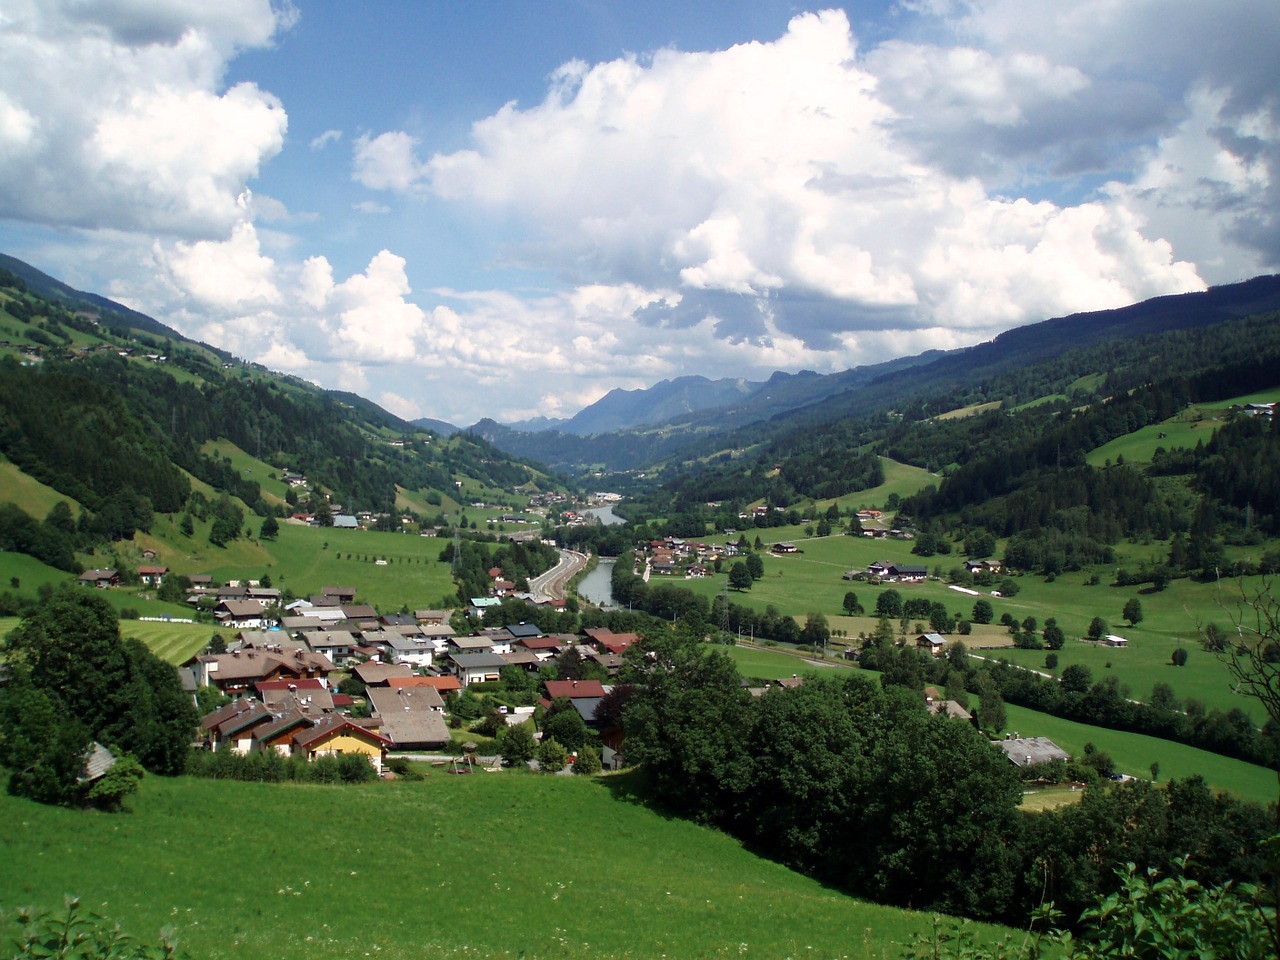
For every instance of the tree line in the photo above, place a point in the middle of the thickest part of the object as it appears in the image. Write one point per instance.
(859, 786)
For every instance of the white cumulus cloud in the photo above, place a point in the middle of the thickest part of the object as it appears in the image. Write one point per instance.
(784, 191)
(119, 120)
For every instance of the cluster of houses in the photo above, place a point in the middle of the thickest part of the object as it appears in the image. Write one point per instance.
(283, 700)
(674, 556)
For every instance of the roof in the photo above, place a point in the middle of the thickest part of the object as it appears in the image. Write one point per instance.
(332, 726)
(932, 639)
(520, 631)
(302, 683)
(478, 661)
(410, 716)
(586, 707)
(521, 658)
(380, 673)
(247, 714)
(540, 643)
(384, 699)
(243, 608)
(97, 763)
(472, 644)
(574, 688)
(950, 708)
(255, 663)
(1024, 751)
(441, 684)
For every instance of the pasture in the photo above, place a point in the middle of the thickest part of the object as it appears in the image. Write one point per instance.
(304, 559)
(425, 876)
(28, 493)
(1134, 753)
(1193, 425)
(899, 478)
(811, 582)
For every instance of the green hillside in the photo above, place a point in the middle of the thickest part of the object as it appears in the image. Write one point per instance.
(554, 867)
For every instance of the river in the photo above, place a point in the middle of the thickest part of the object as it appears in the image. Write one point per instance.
(604, 514)
(596, 587)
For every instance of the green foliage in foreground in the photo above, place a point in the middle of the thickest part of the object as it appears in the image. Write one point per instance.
(77, 934)
(632, 884)
(1148, 918)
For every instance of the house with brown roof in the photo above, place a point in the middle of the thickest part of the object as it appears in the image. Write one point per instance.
(335, 736)
(240, 613)
(574, 688)
(606, 641)
(232, 726)
(442, 685)
(151, 574)
(544, 648)
(374, 674)
(239, 670)
(412, 718)
(100, 578)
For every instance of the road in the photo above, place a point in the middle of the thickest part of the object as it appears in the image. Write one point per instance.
(550, 585)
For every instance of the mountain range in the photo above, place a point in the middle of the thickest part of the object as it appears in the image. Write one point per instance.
(631, 429)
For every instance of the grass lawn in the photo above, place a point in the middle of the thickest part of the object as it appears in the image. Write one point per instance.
(30, 573)
(811, 582)
(174, 642)
(32, 496)
(305, 559)
(1191, 426)
(251, 468)
(899, 478)
(277, 872)
(1050, 798)
(766, 664)
(1134, 753)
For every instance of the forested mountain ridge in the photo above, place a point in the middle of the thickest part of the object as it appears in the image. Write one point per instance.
(1028, 475)
(927, 384)
(147, 404)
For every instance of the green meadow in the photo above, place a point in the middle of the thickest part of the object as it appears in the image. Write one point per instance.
(251, 468)
(765, 664)
(552, 867)
(32, 496)
(305, 559)
(1193, 425)
(899, 478)
(1134, 753)
(811, 582)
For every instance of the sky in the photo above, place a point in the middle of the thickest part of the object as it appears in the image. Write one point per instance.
(508, 209)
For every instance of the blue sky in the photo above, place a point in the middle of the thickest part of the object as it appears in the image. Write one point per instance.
(508, 209)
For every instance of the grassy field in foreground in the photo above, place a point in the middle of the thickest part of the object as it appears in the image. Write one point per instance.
(553, 867)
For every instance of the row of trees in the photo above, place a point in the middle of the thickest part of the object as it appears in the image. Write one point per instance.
(858, 785)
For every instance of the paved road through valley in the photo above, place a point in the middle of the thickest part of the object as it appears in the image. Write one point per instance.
(551, 585)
